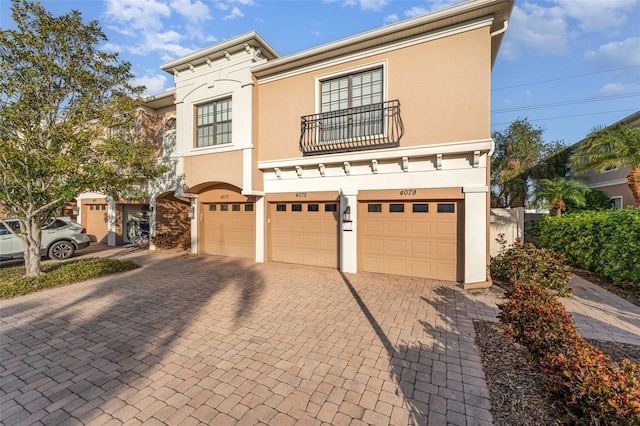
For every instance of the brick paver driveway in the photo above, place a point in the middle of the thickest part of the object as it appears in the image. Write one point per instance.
(208, 340)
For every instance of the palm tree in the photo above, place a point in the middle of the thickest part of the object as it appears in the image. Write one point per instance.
(554, 192)
(614, 146)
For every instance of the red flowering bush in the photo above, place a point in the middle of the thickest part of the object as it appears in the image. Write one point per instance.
(585, 385)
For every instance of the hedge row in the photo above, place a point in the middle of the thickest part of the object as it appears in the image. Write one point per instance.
(607, 242)
(586, 386)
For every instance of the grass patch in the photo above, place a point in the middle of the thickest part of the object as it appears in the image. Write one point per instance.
(14, 283)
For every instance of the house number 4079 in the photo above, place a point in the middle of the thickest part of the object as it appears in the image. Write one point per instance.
(408, 192)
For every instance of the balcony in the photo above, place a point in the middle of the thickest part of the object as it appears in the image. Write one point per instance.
(366, 127)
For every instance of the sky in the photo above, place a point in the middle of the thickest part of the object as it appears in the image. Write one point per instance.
(565, 65)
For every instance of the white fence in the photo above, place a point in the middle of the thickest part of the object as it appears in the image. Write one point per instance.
(509, 222)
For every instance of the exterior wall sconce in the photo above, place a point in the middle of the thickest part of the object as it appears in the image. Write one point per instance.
(346, 216)
(75, 211)
(347, 168)
(191, 213)
(492, 217)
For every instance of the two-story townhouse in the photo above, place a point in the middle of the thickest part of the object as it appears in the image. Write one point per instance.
(375, 149)
(108, 220)
(371, 153)
(216, 103)
(612, 181)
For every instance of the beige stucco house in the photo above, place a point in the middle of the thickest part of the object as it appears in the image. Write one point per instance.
(371, 153)
(613, 181)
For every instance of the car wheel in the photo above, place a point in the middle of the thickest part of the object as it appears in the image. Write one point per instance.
(61, 250)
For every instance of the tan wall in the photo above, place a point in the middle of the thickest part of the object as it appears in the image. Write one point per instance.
(595, 177)
(443, 87)
(216, 167)
(622, 190)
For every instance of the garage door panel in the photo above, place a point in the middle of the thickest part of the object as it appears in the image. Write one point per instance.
(409, 238)
(397, 227)
(420, 248)
(229, 230)
(397, 247)
(307, 235)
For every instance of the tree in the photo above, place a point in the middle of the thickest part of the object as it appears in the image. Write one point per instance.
(554, 193)
(595, 200)
(614, 146)
(67, 120)
(518, 158)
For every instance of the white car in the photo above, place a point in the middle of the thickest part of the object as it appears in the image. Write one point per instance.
(60, 239)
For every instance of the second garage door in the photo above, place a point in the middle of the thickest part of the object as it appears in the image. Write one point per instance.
(417, 238)
(229, 229)
(304, 233)
(94, 218)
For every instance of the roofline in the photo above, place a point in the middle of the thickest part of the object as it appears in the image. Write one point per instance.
(628, 119)
(401, 29)
(251, 38)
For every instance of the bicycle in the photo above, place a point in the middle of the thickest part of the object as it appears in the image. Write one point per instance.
(138, 232)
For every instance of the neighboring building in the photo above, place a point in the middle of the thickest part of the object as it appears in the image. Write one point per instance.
(613, 181)
(367, 154)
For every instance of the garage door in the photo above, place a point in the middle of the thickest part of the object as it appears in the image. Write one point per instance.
(304, 233)
(94, 218)
(417, 238)
(229, 229)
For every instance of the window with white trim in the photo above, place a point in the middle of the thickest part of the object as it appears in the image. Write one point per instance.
(351, 105)
(617, 202)
(213, 123)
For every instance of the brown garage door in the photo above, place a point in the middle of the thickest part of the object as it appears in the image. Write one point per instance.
(94, 218)
(417, 238)
(304, 233)
(229, 229)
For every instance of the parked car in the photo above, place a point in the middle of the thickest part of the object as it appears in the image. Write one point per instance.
(60, 239)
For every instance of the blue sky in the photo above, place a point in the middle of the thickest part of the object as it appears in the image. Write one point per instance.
(566, 65)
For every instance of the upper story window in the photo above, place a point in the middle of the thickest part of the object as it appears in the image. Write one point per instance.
(351, 106)
(213, 123)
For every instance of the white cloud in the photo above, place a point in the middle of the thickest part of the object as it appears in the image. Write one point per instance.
(111, 47)
(441, 4)
(390, 19)
(374, 5)
(616, 54)
(415, 11)
(550, 27)
(154, 83)
(139, 14)
(235, 13)
(194, 12)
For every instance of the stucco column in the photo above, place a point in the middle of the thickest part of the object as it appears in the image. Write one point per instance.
(195, 221)
(260, 229)
(475, 234)
(349, 232)
(111, 222)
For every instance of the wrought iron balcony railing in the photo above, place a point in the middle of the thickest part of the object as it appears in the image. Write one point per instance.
(372, 126)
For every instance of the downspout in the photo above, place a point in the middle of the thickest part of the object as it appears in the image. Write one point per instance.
(505, 25)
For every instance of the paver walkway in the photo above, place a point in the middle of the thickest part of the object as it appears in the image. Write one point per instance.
(208, 340)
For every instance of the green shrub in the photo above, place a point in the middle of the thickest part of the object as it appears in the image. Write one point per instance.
(585, 385)
(607, 242)
(527, 263)
(14, 283)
